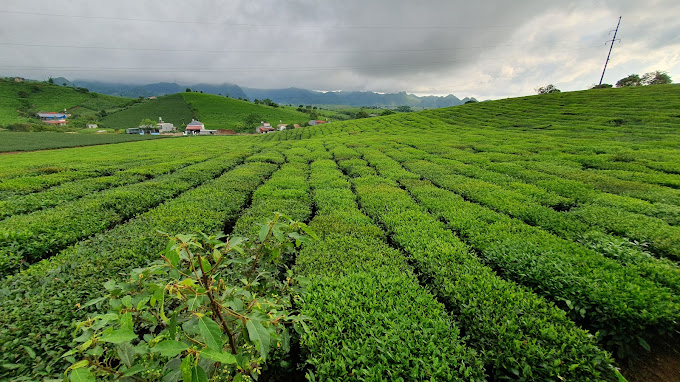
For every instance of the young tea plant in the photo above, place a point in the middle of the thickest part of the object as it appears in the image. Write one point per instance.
(213, 308)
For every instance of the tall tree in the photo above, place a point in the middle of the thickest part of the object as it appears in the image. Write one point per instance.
(656, 78)
(632, 80)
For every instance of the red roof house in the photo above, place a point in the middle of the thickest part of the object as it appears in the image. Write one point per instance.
(195, 126)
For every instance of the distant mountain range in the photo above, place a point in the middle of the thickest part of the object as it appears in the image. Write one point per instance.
(157, 89)
(293, 96)
(296, 96)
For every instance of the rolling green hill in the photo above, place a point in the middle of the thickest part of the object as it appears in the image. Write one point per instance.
(20, 101)
(171, 108)
(225, 113)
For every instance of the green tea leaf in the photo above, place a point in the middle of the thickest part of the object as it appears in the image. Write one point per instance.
(260, 335)
(127, 301)
(81, 375)
(198, 374)
(126, 353)
(126, 321)
(95, 301)
(79, 364)
(169, 348)
(186, 368)
(173, 257)
(30, 352)
(134, 370)
(211, 332)
(644, 344)
(264, 230)
(619, 376)
(217, 255)
(219, 356)
(118, 336)
(205, 265)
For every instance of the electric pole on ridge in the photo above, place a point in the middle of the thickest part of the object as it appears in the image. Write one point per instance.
(610, 50)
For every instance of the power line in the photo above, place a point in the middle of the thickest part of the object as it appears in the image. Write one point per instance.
(25, 45)
(249, 25)
(274, 69)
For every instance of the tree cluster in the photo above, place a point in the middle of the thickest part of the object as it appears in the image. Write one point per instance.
(266, 101)
(547, 89)
(652, 78)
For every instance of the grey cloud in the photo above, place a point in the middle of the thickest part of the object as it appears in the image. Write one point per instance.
(341, 45)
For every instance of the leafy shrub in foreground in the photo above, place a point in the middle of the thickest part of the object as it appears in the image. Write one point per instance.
(208, 309)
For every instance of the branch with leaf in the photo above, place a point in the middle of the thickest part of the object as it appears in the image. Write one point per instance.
(212, 307)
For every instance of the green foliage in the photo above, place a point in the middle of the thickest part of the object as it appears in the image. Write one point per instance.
(361, 114)
(213, 307)
(656, 78)
(252, 120)
(146, 122)
(547, 89)
(601, 86)
(631, 80)
(652, 78)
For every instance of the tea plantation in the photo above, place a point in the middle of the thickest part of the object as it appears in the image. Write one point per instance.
(534, 238)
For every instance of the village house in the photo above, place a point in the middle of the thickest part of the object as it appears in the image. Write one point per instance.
(281, 126)
(92, 126)
(264, 128)
(53, 118)
(197, 128)
(194, 127)
(143, 130)
(316, 122)
(164, 127)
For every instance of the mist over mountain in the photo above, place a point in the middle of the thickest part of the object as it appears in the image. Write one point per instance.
(293, 96)
(297, 96)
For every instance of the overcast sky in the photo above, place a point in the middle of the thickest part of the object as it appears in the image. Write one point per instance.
(485, 49)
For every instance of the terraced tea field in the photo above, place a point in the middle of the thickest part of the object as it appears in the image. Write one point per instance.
(534, 238)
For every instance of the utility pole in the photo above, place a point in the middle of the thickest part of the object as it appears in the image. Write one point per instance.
(610, 50)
